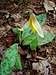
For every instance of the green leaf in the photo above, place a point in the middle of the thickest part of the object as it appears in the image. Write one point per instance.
(18, 64)
(15, 30)
(48, 37)
(42, 18)
(26, 32)
(34, 40)
(9, 60)
(17, 33)
(34, 43)
(31, 40)
(55, 36)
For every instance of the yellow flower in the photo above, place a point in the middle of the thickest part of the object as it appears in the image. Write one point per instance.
(21, 29)
(34, 25)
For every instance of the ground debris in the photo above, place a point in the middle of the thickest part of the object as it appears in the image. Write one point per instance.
(48, 51)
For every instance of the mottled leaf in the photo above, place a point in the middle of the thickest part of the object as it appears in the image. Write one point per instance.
(42, 18)
(9, 60)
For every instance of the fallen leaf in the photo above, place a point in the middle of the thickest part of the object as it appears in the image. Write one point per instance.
(49, 5)
(10, 39)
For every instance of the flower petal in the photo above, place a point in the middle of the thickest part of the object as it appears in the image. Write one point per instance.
(34, 25)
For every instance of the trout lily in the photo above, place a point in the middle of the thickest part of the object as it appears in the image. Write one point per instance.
(34, 25)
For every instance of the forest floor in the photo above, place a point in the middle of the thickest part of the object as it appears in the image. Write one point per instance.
(7, 24)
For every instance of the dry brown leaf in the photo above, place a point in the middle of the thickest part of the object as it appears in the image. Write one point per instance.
(49, 5)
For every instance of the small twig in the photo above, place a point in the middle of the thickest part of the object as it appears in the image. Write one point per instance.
(38, 57)
(41, 58)
(4, 11)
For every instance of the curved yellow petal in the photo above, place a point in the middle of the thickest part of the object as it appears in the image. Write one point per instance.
(34, 25)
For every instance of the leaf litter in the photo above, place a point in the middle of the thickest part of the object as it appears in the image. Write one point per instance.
(50, 46)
